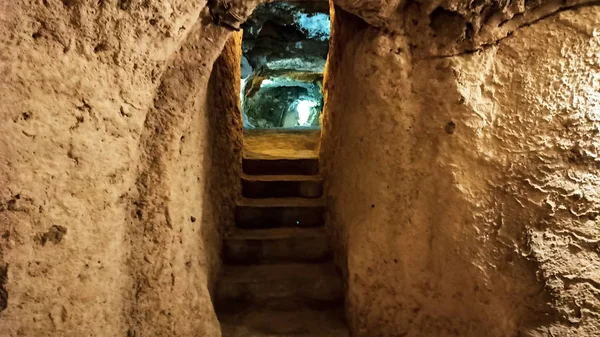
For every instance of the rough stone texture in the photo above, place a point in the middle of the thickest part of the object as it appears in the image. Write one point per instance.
(450, 27)
(102, 201)
(465, 187)
(274, 39)
(463, 191)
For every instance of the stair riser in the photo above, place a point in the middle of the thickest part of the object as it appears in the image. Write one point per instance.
(297, 323)
(285, 294)
(280, 166)
(282, 189)
(275, 217)
(230, 305)
(300, 249)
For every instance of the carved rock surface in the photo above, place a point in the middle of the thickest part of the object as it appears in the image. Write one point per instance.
(463, 185)
(107, 159)
(450, 27)
(463, 191)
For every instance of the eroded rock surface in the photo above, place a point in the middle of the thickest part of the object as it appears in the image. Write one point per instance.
(463, 184)
(441, 28)
(98, 185)
(288, 35)
(464, 190)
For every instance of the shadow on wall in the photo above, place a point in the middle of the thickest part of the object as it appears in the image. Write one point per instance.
(222, 157)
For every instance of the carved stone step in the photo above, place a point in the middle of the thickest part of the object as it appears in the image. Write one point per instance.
(293, 323)
(281, 186)
(279, 286)
(276, 213)
(280, 166)
(260, 246)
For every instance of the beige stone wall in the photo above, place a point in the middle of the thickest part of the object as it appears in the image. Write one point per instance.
(105, 160)
(463, 191)
(450, 27)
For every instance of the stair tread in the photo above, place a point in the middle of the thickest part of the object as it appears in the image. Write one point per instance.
(286, 143)
(283, 177)
(260, 322)
(283, 271)
(282, 202)
(276, 233)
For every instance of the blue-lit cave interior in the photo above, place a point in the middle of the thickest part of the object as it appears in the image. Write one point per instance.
(284, 51)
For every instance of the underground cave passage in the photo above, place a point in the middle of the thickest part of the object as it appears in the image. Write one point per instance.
(451, 190)
(278, 276)
(284, 51)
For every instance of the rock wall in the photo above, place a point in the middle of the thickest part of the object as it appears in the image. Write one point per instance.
(107, 153)
(223, 152)
(463, 186)
(450, 27)
(463, 190)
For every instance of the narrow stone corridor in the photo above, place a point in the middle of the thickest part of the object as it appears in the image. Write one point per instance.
(453, 189)
(279, 278)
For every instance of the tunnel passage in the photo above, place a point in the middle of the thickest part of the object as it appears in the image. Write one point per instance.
(278, 276)
(461, 169)
(284, 46)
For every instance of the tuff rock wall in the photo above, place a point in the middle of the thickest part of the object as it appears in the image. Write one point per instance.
(459, 146)
(463, 185)
(110, 148)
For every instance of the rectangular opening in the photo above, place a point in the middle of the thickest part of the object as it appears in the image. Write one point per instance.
(284, 51)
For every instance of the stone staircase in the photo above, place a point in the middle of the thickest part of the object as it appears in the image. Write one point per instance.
(278, 278)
